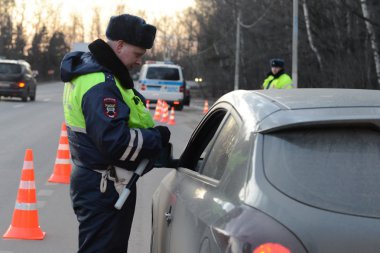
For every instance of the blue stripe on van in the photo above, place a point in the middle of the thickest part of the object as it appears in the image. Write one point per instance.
(161, 82)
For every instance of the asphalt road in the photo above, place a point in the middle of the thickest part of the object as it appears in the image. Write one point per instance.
(37, 125)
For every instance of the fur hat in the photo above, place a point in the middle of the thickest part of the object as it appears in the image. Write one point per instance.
(131, 29)
(277, 63)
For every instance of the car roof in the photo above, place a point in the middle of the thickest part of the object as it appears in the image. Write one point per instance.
(163, 65)
(13, 61)
(271, 110)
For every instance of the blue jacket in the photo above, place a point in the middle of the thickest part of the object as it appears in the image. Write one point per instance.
(108, 139)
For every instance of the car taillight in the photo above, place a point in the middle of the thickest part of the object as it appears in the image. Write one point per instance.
(271, 248)
(181, 88)
(21, 84)
(176, 102)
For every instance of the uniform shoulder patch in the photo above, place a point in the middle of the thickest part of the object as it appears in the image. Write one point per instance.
(110, 107)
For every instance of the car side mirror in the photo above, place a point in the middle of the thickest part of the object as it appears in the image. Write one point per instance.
(165, 158)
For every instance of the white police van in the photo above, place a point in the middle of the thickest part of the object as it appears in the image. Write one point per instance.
(162, 80)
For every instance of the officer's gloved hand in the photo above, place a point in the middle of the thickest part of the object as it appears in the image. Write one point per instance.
(165, 134)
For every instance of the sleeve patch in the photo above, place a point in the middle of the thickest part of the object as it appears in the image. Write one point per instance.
(110, 107)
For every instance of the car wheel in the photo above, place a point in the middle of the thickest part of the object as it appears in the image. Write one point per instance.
(24, 98)
(179, 107)
(33, 97)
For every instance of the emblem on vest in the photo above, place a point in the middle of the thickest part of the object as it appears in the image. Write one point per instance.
(110, 107)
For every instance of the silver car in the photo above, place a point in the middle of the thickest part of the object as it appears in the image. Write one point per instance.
(276, 171)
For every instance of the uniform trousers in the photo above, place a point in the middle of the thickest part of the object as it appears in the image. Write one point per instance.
(102, 228)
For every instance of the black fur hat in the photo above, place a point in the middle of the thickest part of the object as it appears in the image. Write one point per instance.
(277, 63)
(132, 30)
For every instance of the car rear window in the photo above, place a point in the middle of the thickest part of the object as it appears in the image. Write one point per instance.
(337, 169)
(163, 73)
(9, 68)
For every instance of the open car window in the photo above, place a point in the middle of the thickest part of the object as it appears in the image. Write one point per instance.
(193, 156)
(219, 150)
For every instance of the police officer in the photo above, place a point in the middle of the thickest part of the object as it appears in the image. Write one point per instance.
(277, 78)
(110, 131)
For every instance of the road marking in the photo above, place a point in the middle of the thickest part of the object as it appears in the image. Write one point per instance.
(45, 100)
(19, 106)
(44, 193)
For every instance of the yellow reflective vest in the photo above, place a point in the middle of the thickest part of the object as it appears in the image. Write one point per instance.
(284, 81)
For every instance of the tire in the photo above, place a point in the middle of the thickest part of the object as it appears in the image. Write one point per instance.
(33, 97)
(24, 98)
(179, 107)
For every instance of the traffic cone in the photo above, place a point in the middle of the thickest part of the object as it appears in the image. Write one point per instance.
(62, 166)
(25, 216)
(171, 117)
(147, 104)
(205, 107)
(157, 112)
(165, 113)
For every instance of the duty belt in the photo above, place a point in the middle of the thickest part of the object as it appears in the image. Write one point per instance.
(119, 176)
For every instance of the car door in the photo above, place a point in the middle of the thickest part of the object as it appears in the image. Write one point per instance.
(197, 202)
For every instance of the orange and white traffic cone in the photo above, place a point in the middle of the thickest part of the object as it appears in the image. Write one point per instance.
(157, 112)
(165, 113)
(25, 216)
(205, 107)
(147, 104)
(62, 167)
(171, 117)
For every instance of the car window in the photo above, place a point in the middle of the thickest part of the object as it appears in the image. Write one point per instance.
(163, 73)
(234, 179)
(220, 152)
(192, 157)
(311, 164)
(9, 68)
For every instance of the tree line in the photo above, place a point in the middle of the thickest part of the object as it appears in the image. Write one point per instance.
(338, 40)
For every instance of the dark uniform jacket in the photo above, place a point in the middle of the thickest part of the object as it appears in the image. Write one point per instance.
(108, 138)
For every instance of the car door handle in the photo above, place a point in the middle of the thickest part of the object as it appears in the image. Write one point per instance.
(168, 215)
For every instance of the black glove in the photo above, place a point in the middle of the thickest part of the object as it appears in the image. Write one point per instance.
(165, 134)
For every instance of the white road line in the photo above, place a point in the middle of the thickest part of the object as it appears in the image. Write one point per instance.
(18, 106)
(45, 100)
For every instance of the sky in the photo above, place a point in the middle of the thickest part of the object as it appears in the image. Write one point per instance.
(153, 8)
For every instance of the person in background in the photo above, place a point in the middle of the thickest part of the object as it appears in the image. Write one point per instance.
(109, 130)
(277, 78)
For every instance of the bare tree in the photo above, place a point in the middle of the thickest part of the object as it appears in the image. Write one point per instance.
(372, 38)
(309, 34)
(120, 9)
(74, 31)
(96, 26)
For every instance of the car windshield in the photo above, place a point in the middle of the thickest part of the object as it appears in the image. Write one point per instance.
(10, 69)
(163, 73)
(337, 169)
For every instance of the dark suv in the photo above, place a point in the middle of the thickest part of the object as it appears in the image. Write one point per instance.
(17, 80)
